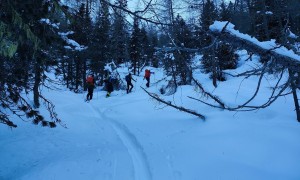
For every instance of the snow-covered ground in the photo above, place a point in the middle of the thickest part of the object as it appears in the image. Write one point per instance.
(132, 137)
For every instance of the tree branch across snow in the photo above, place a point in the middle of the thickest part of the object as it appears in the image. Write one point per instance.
(222, 105)
(225, 31)
(180, 108)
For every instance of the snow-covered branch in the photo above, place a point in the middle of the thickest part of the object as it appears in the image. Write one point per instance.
(283, 56)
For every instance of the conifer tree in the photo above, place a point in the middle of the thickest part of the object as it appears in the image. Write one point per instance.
(209, 14)
(151, 52)
(135, 46)
(224, 12)
(82, 28)
(176, 60)
(182, 38)
(270, 19)
(119, 36)
(28, 42)
(100, 44)
(145, 46)
(294, 14)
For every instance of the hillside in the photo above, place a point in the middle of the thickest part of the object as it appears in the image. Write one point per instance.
(131, 136)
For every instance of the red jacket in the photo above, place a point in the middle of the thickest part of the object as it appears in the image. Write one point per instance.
(90, 80)
(147, 73)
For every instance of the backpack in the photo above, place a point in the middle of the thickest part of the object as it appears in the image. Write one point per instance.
(147, 73)
(90, 80)
(127, 78)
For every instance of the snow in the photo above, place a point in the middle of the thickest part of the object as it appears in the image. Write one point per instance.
(297, 46)
(75, 46)
(47, 21)
(292, 35)
(269, 12)
(218, 26)
(131, 136)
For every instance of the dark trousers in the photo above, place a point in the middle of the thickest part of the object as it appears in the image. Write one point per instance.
(89, 96)
(109, 88)
(129, 87)
(148, 81)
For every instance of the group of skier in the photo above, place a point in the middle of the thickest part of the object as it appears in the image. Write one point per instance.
(109, 84)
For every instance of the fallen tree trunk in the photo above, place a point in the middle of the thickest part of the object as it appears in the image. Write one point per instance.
(180, 108)
(291, 62)
(222, 105)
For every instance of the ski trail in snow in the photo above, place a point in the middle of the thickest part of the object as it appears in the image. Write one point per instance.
(140, 163)
(135, 150)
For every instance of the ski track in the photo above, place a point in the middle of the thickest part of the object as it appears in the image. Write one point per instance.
(135, 150)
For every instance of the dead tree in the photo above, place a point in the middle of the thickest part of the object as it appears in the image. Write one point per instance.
(273, 62)
(180, 108)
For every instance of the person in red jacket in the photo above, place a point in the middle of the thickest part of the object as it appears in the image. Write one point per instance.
(147, 76)
(90, 85)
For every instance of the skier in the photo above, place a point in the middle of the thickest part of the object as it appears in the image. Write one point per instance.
(90, 85)
(147, 76)
(128, 79)
(108, 85)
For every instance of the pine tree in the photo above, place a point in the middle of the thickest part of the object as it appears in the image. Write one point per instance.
(270, 19)
(100, 47)
(82, 28)
(152, 45)
(119, 36)
(294, 14)
(224, 12)
(239, 15)
(146, 51)
(220, 58)
(27, 49)
(135, 46)
(182, 38)
(209, 14)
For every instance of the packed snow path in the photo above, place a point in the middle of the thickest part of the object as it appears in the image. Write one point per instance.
(132, 137)
(139, 159)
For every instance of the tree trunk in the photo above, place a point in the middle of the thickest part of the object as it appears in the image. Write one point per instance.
(297, 108)
(294, 91)
(214, 69)
(174, 75)
(265, 22)
(77, 76)
(134, 66)
(37, 81)
(69, 73)
(84, 75)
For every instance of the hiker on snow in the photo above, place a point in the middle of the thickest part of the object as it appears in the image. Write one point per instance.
(108, 84)
(128, 79)
(90, 85)
(147, 76)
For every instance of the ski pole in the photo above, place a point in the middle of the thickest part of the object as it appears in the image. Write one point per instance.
(97, 93)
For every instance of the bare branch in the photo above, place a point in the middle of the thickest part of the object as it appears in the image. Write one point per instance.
(222, 105)
(135, 14)
(145, 9)
(155, 96)
(50, 107)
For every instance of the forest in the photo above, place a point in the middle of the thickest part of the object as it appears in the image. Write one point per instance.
(74, 38)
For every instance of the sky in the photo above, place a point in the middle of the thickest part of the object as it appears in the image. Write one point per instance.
(180, 7)
(133, 137)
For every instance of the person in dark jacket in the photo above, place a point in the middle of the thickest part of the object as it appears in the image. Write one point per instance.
(90, 80)
(108, 85)
(128, 79)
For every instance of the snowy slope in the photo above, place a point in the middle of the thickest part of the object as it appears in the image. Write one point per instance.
(132, 137)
